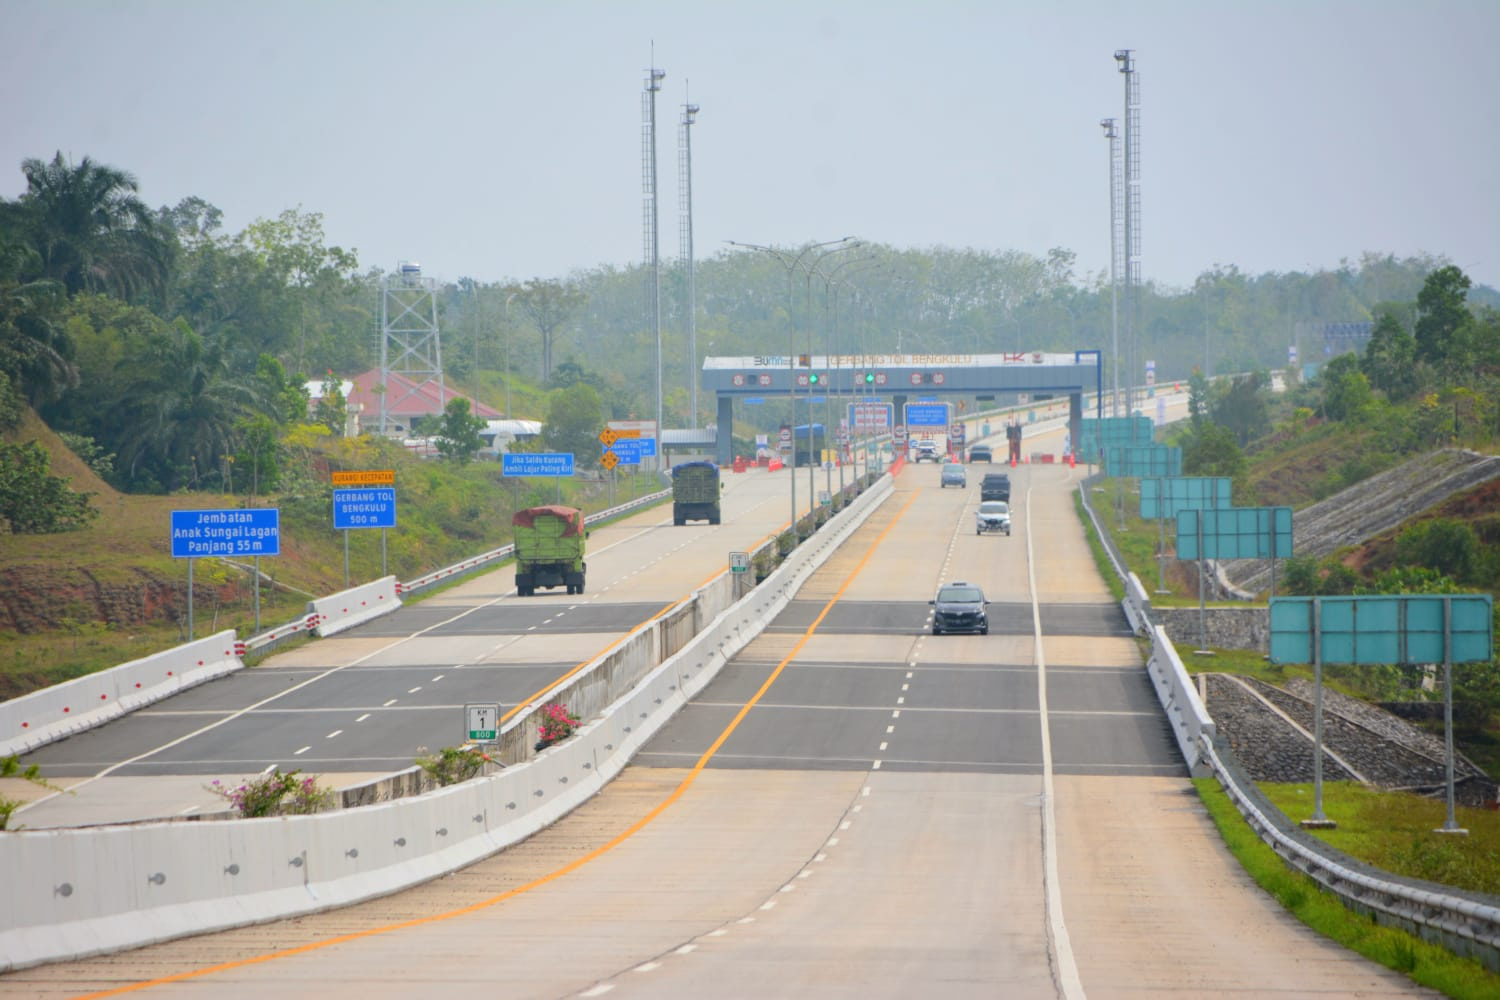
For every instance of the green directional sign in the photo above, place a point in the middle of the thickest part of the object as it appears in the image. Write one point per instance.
(1383, 628)
(1235, 533)
(1143, 460)
(1164, 497)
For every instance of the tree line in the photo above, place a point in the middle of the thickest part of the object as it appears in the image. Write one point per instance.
(173, 354)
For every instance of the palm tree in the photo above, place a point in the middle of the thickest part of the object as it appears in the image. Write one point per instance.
(181, 409)
(90, 230)
(35, 351)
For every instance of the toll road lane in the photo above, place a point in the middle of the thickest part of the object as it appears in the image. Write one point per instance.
(488, 645)
(783, 881)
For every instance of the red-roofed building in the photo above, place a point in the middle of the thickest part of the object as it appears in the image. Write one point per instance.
(405, 400)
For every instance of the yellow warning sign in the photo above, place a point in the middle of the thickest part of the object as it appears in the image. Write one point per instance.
(366, 477)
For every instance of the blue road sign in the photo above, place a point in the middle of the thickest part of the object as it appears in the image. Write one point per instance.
(200, 533)
(927, 415)
(1383, 628)
(1236, 533)
(366, 507)
(548, 463)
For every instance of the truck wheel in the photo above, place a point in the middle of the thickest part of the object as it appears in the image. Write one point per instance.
(714, 519)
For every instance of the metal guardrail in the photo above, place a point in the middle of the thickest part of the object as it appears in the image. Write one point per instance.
(1467, 926)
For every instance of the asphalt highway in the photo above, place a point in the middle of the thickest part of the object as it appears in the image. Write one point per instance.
(853, 808)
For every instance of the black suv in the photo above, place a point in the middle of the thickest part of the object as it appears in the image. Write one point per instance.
(995, 486)
(959, 607)
(981, 453)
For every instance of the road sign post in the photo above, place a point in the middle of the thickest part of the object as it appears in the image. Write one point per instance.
(482, 723)
(1382, 628)
(198, 534)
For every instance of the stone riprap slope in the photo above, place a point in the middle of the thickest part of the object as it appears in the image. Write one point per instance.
(1369, 508)
(1270, 731)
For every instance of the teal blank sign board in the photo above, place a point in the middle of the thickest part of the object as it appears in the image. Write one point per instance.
(1236, 533)
(1383, 628)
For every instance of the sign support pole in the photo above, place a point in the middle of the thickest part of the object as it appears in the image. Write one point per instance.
(1161, 535)
(257, 593)
(1318, 821)
(383, 571)
(1202, 649)
(1450, 825)
(346, 558)
(190, 600)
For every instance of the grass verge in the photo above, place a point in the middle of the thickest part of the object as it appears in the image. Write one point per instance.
(1429, 965)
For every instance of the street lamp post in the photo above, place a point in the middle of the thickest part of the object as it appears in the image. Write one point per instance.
(831, 282)
(791, 263)
(812, 465)
(508, 299)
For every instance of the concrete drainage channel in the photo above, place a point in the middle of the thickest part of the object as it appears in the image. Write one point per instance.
(1468, 926)
(73, 893)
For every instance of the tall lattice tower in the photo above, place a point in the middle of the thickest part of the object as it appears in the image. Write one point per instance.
(410, 342)
(685, 244)
(1116, 252)
(650, 210)
(1126, 60)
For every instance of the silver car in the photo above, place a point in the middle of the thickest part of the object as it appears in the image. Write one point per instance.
(993, 515)
(953, 475)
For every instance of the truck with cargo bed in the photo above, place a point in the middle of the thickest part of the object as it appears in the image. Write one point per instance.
(695, 492)
(549, 548)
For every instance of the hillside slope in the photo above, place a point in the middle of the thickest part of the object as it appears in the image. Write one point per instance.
(1372, 507)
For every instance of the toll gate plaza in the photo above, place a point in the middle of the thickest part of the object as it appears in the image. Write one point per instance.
(900, 378)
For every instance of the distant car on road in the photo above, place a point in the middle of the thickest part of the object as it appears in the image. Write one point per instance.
(981, 453)
(959, 607)
(995, 486)
(993, 515)
(927, 451)
(953, 475)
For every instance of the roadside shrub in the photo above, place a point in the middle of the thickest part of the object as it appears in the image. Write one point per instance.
(276, 793)
(1449, 547)
(450, 765)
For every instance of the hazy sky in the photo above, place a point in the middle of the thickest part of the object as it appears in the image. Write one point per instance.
(503, 139)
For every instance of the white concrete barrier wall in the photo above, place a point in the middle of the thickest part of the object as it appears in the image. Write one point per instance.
(354, 606)
(80, 892)
(53, 713)
(1179, 699)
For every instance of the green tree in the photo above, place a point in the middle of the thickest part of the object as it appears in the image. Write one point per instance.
(1346, 391)
(1198, 399)
(90, 230)
(1444, 321)
(574, 420)
(34, 502)
(548, 304)
(1242, 409)
(333, 409)
(35, 351)
(293, 248)
(458, 438)
(180, 408)
(1448, 547)
(1390, 359)
(1212, 451)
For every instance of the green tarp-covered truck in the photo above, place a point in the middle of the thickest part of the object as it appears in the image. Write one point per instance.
(549, 548)
(695, 492)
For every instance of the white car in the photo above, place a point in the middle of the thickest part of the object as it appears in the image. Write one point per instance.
(993, 515)
(927, 451)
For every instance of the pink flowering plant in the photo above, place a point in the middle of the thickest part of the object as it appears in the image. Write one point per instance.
(276, 793)
(557, 723)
